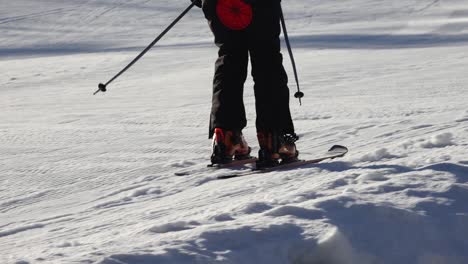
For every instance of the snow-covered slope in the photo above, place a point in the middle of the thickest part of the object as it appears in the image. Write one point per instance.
(89, 179)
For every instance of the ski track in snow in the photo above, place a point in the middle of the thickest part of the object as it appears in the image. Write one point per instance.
(90, 179)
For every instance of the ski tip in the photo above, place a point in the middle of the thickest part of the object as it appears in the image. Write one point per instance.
(338, 147)
(338, 150)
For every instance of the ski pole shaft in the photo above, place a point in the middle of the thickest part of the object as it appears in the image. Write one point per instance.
(103, 87)
(298, 94)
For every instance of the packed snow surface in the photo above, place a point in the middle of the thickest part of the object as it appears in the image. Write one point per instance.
(91, 179)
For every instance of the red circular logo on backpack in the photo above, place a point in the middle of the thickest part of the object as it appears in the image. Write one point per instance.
(234, 14)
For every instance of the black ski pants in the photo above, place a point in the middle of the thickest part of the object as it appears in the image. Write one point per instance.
(261, 40)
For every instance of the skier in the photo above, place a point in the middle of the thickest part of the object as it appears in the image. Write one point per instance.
(242, 28)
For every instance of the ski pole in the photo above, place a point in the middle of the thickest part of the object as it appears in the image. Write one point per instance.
(103, 87)
(298, 94)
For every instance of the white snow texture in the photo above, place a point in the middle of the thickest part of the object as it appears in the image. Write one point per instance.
(91, 179)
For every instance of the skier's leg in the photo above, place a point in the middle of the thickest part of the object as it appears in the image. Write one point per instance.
(228, 110)
(271, 90)
(228, 113)
(275, 129)
(228, 87)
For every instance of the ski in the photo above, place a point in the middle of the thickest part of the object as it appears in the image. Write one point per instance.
(336, 151)
(232, 164)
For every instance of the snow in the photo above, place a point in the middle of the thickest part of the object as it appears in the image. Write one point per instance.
(91, 179)
(439, 141)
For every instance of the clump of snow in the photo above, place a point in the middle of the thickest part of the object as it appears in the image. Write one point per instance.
(144, 191)
(332, 248)
(173, 227)
(438, 159)
(439, 141)
(349, 190)
(222, 217)
(375, 175)
(296, 211)
(254, 208)
(380, 154)
(66, 244)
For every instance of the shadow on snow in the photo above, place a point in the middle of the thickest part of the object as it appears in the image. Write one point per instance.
(330, 41)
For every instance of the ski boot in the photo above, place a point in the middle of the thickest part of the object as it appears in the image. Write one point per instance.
(276, 149)
(229, 145)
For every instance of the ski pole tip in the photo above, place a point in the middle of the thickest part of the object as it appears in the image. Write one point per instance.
(299, 95)
(101, 88)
